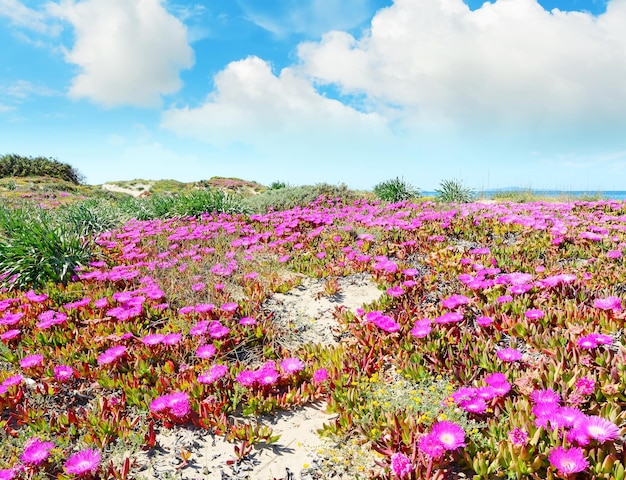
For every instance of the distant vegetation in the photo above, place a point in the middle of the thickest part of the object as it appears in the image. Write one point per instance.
(12, 165)
(453, 191)
(396, 190)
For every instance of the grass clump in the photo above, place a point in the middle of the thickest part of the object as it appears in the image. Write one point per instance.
(453, 191)
(35, 250)
(396, 190)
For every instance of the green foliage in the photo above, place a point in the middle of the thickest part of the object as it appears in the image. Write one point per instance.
(197, 202)
(277, 185)
(301, 196)
(517, 196)
(187, 204)
(453, 191)
(92, 216)
(35, 250)
(395, 190)
(12, 165)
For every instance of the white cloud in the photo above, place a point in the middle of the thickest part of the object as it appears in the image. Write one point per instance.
(21, 16)
(23, 89)
(510, 63)
(130, 52)
(252, 105)
(311, 17)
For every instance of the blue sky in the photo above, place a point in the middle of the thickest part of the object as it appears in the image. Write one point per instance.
(508, 93)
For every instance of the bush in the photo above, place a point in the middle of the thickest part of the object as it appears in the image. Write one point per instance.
(395, 190)
(453, 191)
(277, 185)
(13, 165)
(35, 250)
(302, 196)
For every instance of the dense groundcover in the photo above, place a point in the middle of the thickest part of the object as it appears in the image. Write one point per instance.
(498, 349)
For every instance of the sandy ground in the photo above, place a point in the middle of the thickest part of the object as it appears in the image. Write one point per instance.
(308, 314)
(135, 191)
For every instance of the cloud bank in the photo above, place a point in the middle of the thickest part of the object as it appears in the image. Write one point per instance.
(510, 63)
(129, 52)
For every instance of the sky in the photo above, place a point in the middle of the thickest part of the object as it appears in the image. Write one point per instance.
(495, 94)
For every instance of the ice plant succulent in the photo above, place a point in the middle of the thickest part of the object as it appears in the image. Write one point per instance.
(84, 462)
(568, 460)
(36, 451)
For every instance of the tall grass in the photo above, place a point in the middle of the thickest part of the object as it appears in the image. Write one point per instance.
(396, 190)
(35, 249)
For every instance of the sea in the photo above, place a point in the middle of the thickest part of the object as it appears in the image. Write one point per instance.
(603, 194)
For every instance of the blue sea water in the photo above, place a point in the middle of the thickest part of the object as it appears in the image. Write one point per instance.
(604, 194)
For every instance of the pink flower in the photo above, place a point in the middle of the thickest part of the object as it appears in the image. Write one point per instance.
(291, 365)
(8, 473)
(599, 429)
(608, 303)
(152, 339)
(518, 437)
(110, 355)
(196, 287)
(585, 385)
(36, 451)
(587, 342)
(320, 375)
(431, 446)
(63, 372)
(204, 308)
(449, 317)
(206, 351)
(384, 322)
(101, 302)
(395, 291)
(568, 461)
(267, 375)
(509, 355)
(246, 378)
(545, 396)
(484, 321)
(10, 334)
(230, 307)
(504, 299)
(199, 328)
(454, 301)
(474, 405)
(172, 338)
(12, 381)
(176, 402)
(534, 314)
(85, 461)
(422, 328)
(31, 361)
(401, 465)
(247, 321)
(213, 374)
(217, 330)
(449, 434)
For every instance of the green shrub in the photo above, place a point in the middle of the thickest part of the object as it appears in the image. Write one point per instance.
(277, 185)
(35, 250)
(12, 165)
(301, 196)
(453, 191)
(396, 190)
